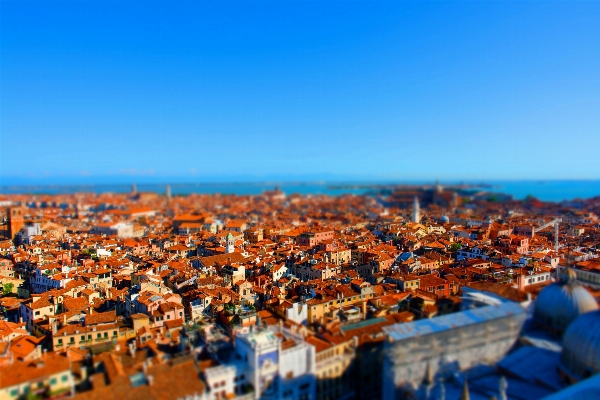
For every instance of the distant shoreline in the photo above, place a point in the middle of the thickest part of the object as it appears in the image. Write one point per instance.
(549, 190)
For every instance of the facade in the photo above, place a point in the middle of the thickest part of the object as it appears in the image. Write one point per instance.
(45, 377)
(587, 272)
(276, 364)
(314, 237)
(280, 369)
(15, 220)
(334, 369)
(444, 345)
(120, 229)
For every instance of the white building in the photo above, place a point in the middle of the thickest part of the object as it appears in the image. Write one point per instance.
(120, 229)
(45, 280)
(264, 364)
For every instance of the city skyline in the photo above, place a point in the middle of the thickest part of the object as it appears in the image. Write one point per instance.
(305, 90)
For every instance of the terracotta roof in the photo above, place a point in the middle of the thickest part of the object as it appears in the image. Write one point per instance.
(101, 318)
(50, 364)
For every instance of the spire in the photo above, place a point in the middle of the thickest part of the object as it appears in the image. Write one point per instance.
(442, 395)
(133, 189)
(428, 377)
(465, 392)
(416, 212)
(568, 275)
(502, 386)
(427, 383)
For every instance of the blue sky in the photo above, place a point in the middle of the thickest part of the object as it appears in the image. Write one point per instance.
(200, 91)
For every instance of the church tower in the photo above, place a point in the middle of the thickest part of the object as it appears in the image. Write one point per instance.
(168, 194)
(229, 244)
(416, 212)
(15, 220)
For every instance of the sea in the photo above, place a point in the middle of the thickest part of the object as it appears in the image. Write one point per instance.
(548, 190)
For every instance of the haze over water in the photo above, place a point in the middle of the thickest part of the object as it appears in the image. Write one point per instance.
(552, 190)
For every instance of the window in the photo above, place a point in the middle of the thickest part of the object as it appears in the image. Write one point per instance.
(168, 317)
(53, 381)
(60, 342)
(99, 336)
(37, 313)
(72, 339)
(64, 378)
(14, 392)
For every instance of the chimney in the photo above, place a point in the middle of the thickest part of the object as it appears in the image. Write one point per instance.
(64, 319)
(150, 380)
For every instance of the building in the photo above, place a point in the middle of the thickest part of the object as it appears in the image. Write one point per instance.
(15, 220)
(561, 303)
(314, 237)
(445, 345)
(416, 211)
(120, 229)
(580, 358)
(275, 363)
(280, 366)
(43, 377)
(334, 368)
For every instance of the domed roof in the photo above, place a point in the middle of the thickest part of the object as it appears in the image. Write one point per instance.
(561, 302)
(444, 219)
(581, 346)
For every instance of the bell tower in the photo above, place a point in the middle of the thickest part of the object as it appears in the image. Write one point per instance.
(416, 211)
(229, 244)
(15, 220)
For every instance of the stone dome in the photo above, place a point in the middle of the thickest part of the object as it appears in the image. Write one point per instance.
(580, 356)
(561, 302)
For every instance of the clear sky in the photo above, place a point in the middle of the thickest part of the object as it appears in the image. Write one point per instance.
(299, 89)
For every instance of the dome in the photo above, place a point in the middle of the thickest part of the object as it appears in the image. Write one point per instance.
(561, 302)
(580, 357)
(444, 219)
